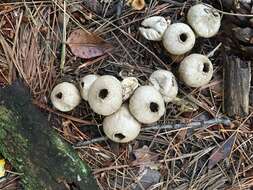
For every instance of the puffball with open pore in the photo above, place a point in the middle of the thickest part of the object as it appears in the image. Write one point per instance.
(65, 96)
(196, 70)
(121, 126)
(146, 104)
(165, 82)
(105, 95)
(204, 20)
(85, 83)
(178, 39)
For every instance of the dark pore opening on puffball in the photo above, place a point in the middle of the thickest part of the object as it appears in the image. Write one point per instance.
(82, 84)
(173, 81)
(154, 107)
(206, 68)
(58, 95)
(119, 136)
(183, 37)
(103, 93)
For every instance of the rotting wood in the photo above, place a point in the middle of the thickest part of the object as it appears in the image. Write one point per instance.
(35, 149)
(237, 78)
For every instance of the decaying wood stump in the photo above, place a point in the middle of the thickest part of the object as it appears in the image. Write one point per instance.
(237, 78)
(35, 149)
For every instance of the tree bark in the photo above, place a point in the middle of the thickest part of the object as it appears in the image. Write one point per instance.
(35, 149)
(237, 78)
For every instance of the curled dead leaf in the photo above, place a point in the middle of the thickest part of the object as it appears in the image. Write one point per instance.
(87, 45)
(221, 152)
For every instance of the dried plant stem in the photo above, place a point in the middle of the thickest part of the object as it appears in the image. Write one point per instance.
(192, 125)
(211, 54)
(63, 51)
(92, 141)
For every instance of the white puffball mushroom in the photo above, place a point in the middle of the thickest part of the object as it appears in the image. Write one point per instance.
(178, 39)
(196, 70)
(65, 96)
(121, 126)
(153, 28)
(105, 95)
(146, 104)
(165, 82)
(85, 83)
(204, 20)
(129, 84)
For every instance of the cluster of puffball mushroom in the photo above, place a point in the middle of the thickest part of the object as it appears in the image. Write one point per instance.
(204, 21)
(125, 104)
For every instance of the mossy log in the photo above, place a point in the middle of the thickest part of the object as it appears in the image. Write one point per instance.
(35, 149)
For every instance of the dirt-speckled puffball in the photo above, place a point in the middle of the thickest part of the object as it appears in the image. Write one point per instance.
(146, 104)
(153, 28)
(121, 126)
(105, 95)
(165, 82)
(65, 96)
(204, 20)
(178, 39)
(196, 70)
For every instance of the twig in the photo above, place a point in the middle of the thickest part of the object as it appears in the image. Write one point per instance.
(211, 54)
(192, 125)
(172, 2)
(92, 141)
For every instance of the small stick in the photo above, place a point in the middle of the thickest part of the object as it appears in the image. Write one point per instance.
(211, 54)
(92, 141)
(192, 125)
(172, 2)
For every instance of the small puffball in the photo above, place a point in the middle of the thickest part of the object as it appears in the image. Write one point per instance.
(129, 84)
(153, 28)
(146, 104)
(204, 20)
(196, 70)
(85, 83)
(65, 96)
(165, 82)
(121, 126)
(178, 39)
(105, 95)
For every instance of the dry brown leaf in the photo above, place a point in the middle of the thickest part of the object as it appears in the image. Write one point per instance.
(87, 45)
(222, 152)
(144, 156)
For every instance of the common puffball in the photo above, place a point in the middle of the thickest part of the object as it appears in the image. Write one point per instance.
(204, 20)
(121, 126)
(178, 38)
(65, 96)
(105, 95)
(196, 70)
(146, 104)
(165, 82)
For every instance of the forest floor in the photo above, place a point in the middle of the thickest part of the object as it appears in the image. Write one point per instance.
(34, 48)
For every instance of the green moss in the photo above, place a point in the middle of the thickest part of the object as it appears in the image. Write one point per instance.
(35, 149)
